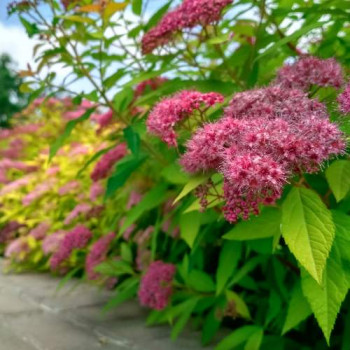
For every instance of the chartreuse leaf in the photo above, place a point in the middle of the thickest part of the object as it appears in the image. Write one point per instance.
(325, 300)
(200, 281)
(240, 305)
(151, 200)
(338, 177)
(308, 229)
(229, 256)
(68, 130)
(267, 224)
(255, 340)
(298, 309)
(191, 185)
(189, 227)
(238, 337)
(174, 174)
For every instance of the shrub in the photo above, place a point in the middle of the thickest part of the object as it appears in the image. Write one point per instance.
(220, 145)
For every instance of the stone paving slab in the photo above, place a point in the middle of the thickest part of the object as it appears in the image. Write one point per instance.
(34, 316)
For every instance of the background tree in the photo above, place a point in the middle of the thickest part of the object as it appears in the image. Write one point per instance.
(11, 99)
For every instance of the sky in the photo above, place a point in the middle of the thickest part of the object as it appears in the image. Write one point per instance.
(13, 38)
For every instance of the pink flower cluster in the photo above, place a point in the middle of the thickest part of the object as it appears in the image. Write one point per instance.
(52, 242)
(17, 249)
(103, 120)
(81, 208)
(8, 164)
(156, 285)
(15, 185)
(9, 231)
(98, 254)
(96, 190)
(40, 231)
(37, 192)
(152, 84)
(105, 164)
(79, 110)
(169, 112)
(260, 143)
(311, 71)
(188, 15)
(70, 186)
(78, 238)
(344, 100)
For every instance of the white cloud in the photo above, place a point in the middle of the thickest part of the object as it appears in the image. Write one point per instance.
(15, 42)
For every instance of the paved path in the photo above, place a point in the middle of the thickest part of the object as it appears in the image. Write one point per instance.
(33, 316)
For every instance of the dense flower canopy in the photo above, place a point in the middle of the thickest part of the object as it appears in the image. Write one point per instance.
(265, 137)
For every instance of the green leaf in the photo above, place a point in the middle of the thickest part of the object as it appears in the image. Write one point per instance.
(228, 260)
(67, 277)
(112, 79)
(157, 16)
(151, 200)
(67, 131)
(342, 233)
(122, 99)
(238, 337)
(92, 159)
(249, 266)
(184, 317)
(200, 281)
(137, 7)
(267, 224)
(174, 174)
(31, 28)
(114, 268)
(123, 171)
(240, 305)
(126, 252)
(298, 309)
(338, 177)
(123, 295)
(191, 185)
(132, 139)
(308, 229)
(297, 34)
(78, 19)
(326, 300)
(213, 321)
(189, 227)
(255, 340)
